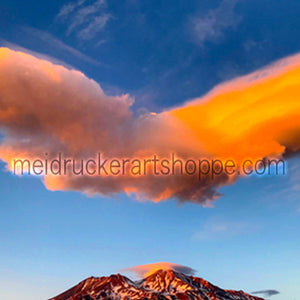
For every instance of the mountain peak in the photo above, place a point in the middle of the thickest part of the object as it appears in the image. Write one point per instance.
(163, 272)
(167, 281)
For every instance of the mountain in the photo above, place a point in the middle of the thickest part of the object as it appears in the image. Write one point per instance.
(161, 285)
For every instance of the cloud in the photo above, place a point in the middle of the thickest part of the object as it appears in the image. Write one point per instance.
(147, 270)
(211, 26)
(84, 20)
(266, 293)
(94, 27)
(68, 8)
(56, 44)
(16, 47)
(218, 229)
(48, 108)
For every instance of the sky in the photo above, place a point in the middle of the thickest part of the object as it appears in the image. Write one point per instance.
(160, 55)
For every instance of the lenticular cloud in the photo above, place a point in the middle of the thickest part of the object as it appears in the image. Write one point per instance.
(148, 269)
(46, 108)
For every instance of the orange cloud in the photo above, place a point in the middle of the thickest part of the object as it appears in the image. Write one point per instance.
(254, 116)
(48, 108)
(148, 269)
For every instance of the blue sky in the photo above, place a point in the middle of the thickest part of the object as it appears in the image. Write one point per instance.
(162, 53)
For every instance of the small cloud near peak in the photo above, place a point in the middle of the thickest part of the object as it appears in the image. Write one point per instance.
(149, 269)
(266, 293)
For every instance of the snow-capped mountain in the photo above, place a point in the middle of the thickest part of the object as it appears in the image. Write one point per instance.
(161, 285)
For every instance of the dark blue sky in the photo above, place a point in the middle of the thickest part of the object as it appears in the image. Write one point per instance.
(154, 49)
(162, 53)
